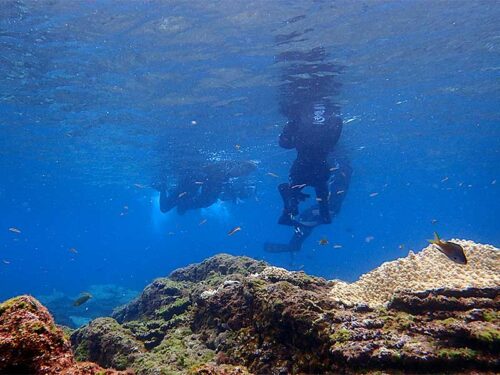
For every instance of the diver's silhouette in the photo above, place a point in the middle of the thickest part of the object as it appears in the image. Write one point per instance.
(201, 187)
(313, 129)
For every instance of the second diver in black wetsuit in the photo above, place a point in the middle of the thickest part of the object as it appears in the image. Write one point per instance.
(313, 133)
(201, 187)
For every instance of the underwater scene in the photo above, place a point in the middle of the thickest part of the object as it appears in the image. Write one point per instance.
(249, 187)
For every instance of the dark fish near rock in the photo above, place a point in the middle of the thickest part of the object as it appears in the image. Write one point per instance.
(82, 299)
(452, 250)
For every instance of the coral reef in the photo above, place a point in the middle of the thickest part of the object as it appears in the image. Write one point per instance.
(30, 342)
(429, 269)
(235, 315)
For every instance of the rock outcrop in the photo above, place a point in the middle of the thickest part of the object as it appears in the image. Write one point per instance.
(30, 342)
(235, 315)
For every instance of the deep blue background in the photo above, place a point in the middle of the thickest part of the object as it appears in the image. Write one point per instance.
(95, 99)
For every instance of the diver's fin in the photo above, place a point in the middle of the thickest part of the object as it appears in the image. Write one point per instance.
(271, 247)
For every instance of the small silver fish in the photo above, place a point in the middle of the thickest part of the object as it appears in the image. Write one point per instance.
(452, 250)
(233, 231)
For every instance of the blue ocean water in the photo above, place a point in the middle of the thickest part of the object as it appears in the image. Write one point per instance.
(101, 100)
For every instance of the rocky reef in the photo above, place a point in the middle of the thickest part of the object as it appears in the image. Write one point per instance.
(30, 342)
(236, 315)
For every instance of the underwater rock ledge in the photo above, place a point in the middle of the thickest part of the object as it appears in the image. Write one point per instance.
(236, 315)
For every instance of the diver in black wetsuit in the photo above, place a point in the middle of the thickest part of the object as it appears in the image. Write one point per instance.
(313, 135)
(201, 187)
(313, 129)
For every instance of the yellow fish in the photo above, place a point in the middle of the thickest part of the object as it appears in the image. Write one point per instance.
(452, 250)
(233, 231)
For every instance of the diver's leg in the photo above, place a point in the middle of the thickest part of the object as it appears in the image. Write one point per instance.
(322, 196)
(300, 235)
(290, 205)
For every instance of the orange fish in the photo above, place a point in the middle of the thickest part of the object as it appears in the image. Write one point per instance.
(452, 250)
(233, 231)
(323, 242)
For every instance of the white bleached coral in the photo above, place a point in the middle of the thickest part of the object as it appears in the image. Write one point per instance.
(429, 269)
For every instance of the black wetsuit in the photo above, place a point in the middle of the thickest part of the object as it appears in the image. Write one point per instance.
(338, 184)
(201, 187)
(313, 134)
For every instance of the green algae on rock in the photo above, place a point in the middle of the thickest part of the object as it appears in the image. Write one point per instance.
(237, 315)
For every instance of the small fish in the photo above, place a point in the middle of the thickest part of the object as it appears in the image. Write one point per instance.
(334, 169)
(182, 194)
(171, 233)
(323, 242)
(452, 250)
(5, 261)
(139, 186)
(82, 299)
(237, 147)
(445, 179)
(272, 174)
(198, 182)
(233, 231)
(493, 182)
(194, 122)
(340, 192)
(300, 186)
(73, 250)
(373, 195)
(434, 221)
(203, 222)
(402, 246)
(319, 199)
(337, 246)
(369, 239)
(14, 230)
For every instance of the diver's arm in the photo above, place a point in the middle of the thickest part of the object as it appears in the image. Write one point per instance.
(288, 135)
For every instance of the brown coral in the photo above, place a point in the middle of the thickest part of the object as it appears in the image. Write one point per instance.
(31, 343)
